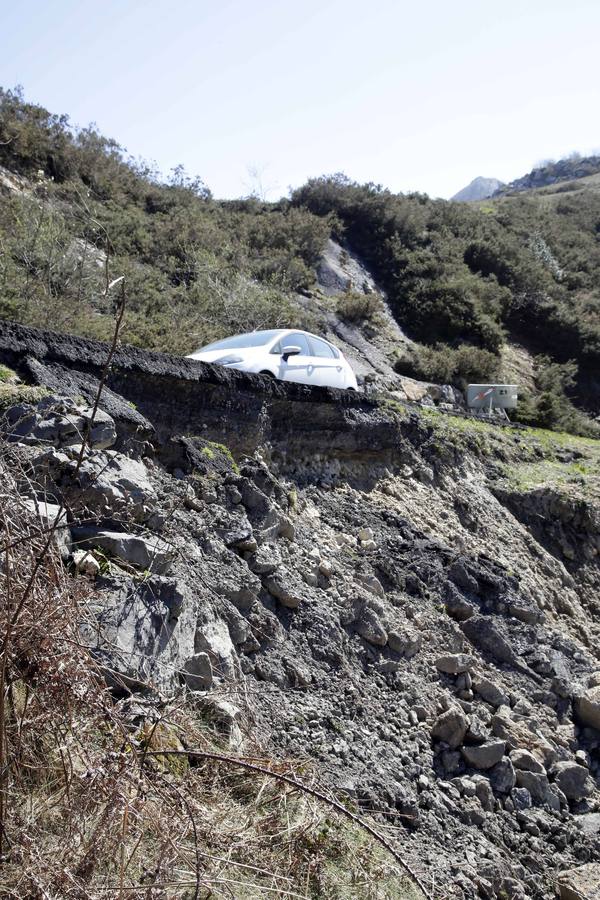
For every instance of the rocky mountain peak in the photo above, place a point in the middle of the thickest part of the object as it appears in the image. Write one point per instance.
(478, 189)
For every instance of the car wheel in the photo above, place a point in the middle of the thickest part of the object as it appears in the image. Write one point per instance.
(266, 372)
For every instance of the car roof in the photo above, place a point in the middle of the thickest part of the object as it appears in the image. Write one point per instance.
(279, 332)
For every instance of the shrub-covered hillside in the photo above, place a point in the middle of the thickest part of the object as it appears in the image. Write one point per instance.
(518, 267)
(196, 268)
(461, 280)
(525, 268)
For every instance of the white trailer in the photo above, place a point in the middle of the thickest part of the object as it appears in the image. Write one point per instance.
(487, 399)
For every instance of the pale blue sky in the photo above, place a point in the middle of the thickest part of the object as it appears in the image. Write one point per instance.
(413, 95)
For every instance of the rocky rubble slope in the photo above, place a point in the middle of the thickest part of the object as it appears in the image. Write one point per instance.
(375, 589)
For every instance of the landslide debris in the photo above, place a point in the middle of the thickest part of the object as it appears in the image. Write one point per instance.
(401, 625)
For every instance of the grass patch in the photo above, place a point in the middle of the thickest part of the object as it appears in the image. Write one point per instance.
(6, 374)
(212, 448)
(535, 452)
(11, 394)
(571, 478)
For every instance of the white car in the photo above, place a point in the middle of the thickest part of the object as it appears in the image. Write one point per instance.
(283, 353)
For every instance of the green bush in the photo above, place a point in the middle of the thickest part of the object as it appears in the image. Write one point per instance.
(551, 407)
(356, 306)
(446, 365)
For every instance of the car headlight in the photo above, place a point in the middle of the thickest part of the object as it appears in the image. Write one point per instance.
(229, 360)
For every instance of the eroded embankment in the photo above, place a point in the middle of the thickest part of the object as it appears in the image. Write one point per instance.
(157, 397)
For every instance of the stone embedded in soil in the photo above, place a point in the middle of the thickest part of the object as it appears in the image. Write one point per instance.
(486, 636)
(573, 780)
(521, 798)
(502, 776)
(151, 554)
(284, 590)
(523, 759)
(587, 707)
(484, 756)
(198, 672)
(451, 727)
(86, 563)
(405, 641)
(537, 785)
(489, 691)
(454, 663)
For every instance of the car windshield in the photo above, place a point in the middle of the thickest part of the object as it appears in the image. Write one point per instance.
(253, 339)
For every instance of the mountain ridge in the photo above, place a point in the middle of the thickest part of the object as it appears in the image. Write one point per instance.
(569, 168)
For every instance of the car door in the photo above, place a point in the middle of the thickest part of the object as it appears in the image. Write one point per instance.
(297, 368)
(327, 365)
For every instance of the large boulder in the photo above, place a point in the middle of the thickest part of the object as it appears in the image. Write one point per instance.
(131, 631)
(60, 422)
(587, 707)
(484, 756)
(454, 663)
(150, 553)
(573, 780)
(451, 727)
(105, 483)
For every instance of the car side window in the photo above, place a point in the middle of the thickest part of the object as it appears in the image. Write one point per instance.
(297, 340)
(321, 348)
(277, 348)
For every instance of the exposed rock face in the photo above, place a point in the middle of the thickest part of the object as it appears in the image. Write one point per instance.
(566, 169)
(347, 603)
(478, 189)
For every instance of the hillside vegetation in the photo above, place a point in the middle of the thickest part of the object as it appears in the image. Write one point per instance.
(461, 280)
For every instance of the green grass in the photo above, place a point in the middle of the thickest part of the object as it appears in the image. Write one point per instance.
(528, 476)
(222, 448)
(6, 374)
(11, 394)
(530, 456)
(459, 423)
(369, 875)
